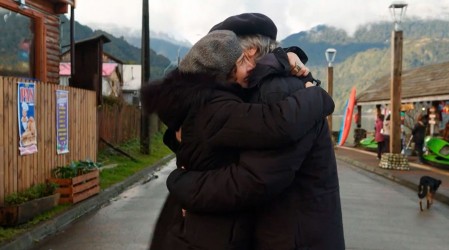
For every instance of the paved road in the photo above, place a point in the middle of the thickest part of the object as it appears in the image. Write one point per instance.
(377, 214)
(380, 214)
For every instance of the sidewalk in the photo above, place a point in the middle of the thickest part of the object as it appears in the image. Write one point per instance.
(368, 161)
(28, 239)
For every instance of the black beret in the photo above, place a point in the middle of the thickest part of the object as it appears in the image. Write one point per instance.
(249, 24)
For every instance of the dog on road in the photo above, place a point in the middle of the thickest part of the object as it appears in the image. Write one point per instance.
(427, 188)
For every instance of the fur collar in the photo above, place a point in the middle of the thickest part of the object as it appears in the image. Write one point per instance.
(175, 95)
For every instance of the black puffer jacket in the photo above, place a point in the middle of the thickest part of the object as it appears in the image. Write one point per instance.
(301, 179)
(216, 123)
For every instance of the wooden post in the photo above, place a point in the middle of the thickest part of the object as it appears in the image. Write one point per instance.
(330, 89)
(395, 93)
(145, 62)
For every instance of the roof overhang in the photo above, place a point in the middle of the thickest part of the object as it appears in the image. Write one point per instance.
(69, 2)
(408, 100)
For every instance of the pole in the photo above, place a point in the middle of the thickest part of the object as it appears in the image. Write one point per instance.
(395, 93)
(72, 44)
(330, 89)
(145, 59)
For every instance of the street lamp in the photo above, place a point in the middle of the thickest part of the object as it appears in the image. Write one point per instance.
(330, 57)
(397, 10)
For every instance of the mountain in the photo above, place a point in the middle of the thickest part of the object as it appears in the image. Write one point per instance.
(317, 40)
(366, 56)
(361, 57)
(118, 47)
(130, 40)
(172, 51)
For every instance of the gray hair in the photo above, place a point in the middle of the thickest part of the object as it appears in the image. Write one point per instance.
(263, 44)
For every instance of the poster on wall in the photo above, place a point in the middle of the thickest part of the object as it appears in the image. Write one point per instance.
(62, 121)
(27, 117)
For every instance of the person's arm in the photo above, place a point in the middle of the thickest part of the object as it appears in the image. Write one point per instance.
(258, 126)
(258, 177)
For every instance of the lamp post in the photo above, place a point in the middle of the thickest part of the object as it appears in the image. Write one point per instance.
(330, 57)
(397, 10)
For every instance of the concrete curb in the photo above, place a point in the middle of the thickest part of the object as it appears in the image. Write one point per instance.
(379, 171)
(50, 227)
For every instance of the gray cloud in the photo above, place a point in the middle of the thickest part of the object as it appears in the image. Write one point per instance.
(192, 19)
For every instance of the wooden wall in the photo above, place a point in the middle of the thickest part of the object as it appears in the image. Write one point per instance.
(20, 172)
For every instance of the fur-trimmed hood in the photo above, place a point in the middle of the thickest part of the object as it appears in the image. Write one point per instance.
(175, 95)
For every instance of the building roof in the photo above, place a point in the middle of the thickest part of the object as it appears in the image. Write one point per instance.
(427, 83)
(108, 69)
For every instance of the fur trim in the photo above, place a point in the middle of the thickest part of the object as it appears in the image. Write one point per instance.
(174, 96)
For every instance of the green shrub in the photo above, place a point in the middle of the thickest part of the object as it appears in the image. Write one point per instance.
(34, 192)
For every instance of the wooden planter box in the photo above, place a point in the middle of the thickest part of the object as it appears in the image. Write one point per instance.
(18, 214)
(78, 188)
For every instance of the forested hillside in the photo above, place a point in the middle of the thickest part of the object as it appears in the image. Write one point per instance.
(118, 47)
(366, 56)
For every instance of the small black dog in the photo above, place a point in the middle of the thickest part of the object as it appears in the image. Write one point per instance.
(427, 188)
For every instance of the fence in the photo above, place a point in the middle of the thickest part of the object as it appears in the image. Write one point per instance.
(118, 123)
(18, 172)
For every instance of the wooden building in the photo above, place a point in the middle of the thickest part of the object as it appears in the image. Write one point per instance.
(423, 89)
(112, 73)
(30, 57)
(423, 84)
(39, 20)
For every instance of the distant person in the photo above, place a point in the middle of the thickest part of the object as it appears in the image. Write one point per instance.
(446, 132)
(419, 133)
(386, 134)
(378, 136)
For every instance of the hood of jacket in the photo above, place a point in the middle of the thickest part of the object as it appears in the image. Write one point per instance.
(174, 96)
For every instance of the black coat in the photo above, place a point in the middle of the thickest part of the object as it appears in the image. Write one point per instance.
(216, 123)
(293, 192)
(419, 133)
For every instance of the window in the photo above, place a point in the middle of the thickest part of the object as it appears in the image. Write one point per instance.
(17, 46)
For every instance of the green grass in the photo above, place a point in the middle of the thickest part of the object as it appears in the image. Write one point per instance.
(9, 233)
(125, 168)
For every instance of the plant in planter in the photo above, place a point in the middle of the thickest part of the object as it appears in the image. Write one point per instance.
(75, 168)
(22, 206)
(77, 181)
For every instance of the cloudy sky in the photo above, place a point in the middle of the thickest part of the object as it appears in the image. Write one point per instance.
(191, 19)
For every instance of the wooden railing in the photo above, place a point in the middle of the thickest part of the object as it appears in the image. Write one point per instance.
(18, 172)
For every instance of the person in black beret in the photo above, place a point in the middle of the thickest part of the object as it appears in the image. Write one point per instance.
(208, 123)
(249, 24)
(288, 207)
